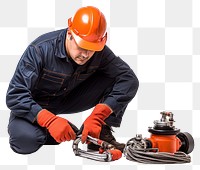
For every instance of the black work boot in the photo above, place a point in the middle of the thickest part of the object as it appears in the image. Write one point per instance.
(106, 135)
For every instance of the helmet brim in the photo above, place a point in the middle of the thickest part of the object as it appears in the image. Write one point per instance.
(93, 46)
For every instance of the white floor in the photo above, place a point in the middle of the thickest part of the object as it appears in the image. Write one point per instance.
(55, 157)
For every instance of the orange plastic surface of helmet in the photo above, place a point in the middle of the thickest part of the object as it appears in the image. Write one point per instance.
(88, 27)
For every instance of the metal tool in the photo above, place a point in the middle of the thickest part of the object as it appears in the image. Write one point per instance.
(107, 151)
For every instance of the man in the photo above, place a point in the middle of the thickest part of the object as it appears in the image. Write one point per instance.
(64, 72)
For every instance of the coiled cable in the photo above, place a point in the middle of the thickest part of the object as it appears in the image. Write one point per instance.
(136, 150)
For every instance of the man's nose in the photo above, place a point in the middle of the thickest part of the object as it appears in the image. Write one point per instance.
(85, 53)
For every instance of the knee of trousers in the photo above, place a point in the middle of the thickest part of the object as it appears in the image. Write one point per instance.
(25, 141)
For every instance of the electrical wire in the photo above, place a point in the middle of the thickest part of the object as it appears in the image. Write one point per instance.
(135, 150)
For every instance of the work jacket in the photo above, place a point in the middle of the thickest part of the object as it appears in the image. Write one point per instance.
(45, 73)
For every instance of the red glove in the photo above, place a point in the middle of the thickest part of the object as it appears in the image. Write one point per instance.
(58, 127)
(92, 125)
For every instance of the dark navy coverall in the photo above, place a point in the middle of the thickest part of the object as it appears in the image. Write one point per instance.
(47, 78)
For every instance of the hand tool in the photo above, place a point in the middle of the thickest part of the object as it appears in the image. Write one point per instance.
(107, 151)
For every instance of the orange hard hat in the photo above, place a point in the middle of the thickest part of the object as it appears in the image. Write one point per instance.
(88, 27)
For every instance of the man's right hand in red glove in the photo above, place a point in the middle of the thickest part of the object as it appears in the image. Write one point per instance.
(59, 128)
(92, 125)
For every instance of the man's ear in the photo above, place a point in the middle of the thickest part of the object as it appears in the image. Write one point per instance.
(69, 35)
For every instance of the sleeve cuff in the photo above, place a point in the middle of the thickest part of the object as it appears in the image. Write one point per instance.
(33, 113)
(112, 103)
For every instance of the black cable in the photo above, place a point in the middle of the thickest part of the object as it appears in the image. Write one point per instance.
(136, 151)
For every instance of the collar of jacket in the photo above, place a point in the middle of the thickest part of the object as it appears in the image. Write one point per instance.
(60, 50)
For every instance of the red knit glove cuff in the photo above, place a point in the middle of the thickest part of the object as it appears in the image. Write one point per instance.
(45, 117)
(102, 111)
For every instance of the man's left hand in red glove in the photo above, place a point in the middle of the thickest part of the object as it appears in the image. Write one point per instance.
(92, 125)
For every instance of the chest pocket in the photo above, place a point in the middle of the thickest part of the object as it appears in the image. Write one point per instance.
(51, 82)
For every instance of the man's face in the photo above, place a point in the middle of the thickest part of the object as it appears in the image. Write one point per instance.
(78, 54)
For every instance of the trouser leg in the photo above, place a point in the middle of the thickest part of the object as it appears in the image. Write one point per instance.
(26, 137)
(91, 92)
